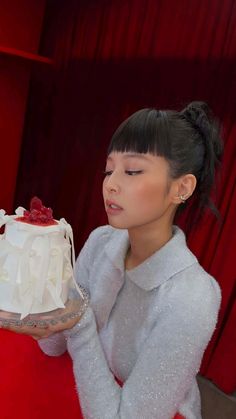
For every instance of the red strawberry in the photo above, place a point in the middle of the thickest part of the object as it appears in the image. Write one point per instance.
(36, 204)
(38, 213)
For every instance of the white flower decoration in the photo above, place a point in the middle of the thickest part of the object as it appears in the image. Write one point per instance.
(20, 211)
(3, 217)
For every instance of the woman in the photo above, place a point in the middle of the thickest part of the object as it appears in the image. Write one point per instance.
(153, 308)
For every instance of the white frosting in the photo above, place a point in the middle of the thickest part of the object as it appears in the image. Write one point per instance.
(35, 266)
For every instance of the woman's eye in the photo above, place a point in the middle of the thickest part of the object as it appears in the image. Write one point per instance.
(128, 172)
(107, 172)
(133, 172)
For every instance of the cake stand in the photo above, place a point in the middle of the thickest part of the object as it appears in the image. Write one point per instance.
(74, 307)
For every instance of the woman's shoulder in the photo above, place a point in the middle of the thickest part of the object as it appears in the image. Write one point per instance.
(190, 301)
(100, 237)
(195, 290)
(192, 279)
(102, 234)
(94, 246)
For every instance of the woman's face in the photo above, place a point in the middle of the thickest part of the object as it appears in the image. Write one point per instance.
(136, 189)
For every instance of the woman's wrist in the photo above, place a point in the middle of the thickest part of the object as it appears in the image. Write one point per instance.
(81, 323)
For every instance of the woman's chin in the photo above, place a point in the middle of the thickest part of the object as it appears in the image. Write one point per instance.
(114, 222)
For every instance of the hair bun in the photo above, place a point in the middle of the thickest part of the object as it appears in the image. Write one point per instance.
(200, 116)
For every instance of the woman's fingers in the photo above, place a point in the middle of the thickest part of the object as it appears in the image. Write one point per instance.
(35, 332)
(42, 331)
(39, 332)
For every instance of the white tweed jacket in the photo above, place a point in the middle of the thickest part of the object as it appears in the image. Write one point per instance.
(148, 326)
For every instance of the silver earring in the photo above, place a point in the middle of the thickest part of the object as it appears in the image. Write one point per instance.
(183, 198)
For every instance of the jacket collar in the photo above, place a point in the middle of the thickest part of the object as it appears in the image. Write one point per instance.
(172, 258)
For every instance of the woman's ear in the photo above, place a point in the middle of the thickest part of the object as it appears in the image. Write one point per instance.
(184, 188)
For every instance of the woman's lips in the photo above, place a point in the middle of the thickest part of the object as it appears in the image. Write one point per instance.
(112, 208)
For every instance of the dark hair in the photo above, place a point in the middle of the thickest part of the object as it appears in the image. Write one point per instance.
(189, 140)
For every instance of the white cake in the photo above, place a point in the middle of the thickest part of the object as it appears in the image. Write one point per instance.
(35, 264)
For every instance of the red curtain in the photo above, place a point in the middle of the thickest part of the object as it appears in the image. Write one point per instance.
(112, 59)
(20, 28)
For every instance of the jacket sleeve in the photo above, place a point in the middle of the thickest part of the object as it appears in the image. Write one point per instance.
(165, 368)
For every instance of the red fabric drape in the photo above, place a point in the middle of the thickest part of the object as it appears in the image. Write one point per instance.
(33, 385)
(114, 58)
(20, 26)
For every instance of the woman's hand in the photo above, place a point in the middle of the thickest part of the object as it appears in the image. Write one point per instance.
(39, 332)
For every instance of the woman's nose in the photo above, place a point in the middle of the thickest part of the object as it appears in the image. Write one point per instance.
(112, 184)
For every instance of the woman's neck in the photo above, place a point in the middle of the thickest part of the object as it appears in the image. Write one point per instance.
(144, 241)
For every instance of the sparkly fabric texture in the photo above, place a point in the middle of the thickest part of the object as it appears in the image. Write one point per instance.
(148, 326)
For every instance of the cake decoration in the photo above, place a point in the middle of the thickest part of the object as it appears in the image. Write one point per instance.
(38, 214)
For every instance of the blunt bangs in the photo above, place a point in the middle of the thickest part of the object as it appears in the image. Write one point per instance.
(145, 131)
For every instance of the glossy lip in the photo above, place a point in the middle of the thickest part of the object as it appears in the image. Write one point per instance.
(112, 211)
(108, 203)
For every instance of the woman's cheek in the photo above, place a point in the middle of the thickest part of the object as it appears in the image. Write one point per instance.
(150, 193)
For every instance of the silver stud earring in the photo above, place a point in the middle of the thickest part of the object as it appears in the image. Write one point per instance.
(183, 198)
